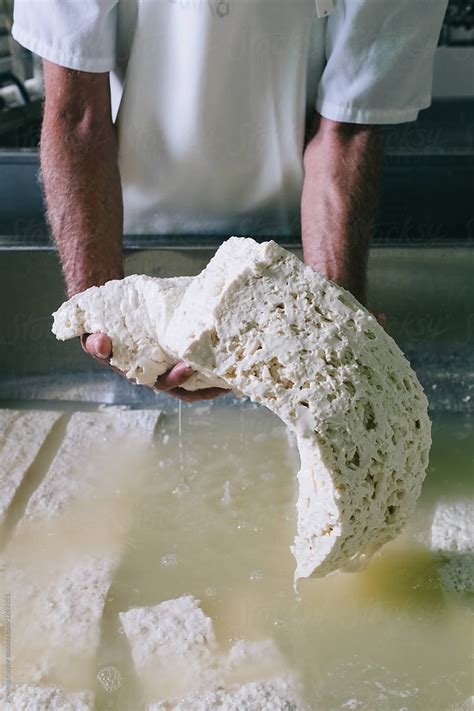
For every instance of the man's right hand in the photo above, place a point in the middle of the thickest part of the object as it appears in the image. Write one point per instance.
(99, 346)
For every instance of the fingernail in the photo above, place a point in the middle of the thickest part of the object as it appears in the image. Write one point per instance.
(99, 351)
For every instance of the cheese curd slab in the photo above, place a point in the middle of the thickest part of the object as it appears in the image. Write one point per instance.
(180, 665)
(22, 434)
(78, 523)
(260, 322)
(27, 697)
(452, 542)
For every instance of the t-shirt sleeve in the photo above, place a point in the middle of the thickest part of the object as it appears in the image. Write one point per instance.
(78, 34)
(380, 58)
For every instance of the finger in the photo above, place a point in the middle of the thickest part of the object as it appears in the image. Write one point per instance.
(82, 340)
(99, 345)
(174, 377)
(195, 395)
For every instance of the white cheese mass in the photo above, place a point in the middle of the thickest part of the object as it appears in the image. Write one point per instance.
(452, 542)
(260, 322)
(182, 667)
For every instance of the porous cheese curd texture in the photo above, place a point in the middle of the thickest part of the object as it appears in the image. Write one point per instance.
(260, 322)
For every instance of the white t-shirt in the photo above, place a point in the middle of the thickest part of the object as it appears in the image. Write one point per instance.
(215, 94)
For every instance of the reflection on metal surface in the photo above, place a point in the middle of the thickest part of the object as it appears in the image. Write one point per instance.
(458, 26)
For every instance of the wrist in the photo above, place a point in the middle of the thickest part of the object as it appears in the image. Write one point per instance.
(84, 279)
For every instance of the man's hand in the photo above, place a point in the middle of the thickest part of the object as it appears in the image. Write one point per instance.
(99, 346)
(84, 197)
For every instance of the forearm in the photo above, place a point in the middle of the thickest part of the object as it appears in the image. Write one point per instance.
(83, 194)
(342, 166)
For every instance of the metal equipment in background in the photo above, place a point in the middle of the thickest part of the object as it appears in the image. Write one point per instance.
(458, 26)
(21, 88)
(429, 164)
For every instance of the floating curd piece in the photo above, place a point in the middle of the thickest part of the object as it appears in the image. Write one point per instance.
(452, 540)
(452, 530)
(277, 694)
(56, 616)
(258, 321)
(172, 647)
(175, 655)
(44, 698)
(457, 575)
(22, 433)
